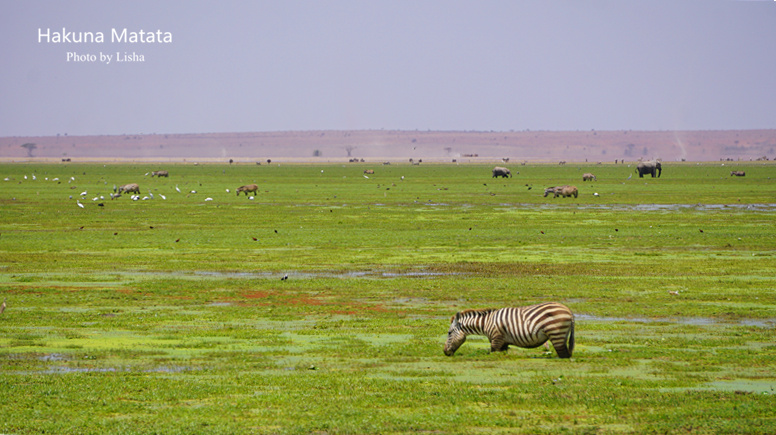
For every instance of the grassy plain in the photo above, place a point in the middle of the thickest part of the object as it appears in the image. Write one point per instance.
(169, 315)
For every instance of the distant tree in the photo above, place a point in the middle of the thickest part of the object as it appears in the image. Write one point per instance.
(349, 149)
(317, 153)
(30, 148)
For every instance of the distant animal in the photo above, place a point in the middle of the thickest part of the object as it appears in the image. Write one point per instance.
(131, 187)
(248, 188)
(550, 190)
(738, 173)
(2, 306)
(649, 168)
(499, 171)
(526, 327)
(563, 191)
(369, 171)
(588, 177)
(566, 191)
(160, 173)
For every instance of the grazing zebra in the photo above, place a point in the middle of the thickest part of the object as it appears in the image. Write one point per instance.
(526, 327)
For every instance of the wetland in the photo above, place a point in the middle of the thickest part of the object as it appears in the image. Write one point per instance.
(322, 304)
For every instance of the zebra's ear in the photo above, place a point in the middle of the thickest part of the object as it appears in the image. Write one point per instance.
(455, 318)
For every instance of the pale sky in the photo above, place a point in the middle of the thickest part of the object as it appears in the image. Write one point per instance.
(238, 66)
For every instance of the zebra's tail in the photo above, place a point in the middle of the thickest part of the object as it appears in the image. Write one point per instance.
(570, 338)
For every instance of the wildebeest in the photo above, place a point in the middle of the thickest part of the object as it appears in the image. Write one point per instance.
(738, 173)
(248, 188)
(587, 176)
(369, 171)
(160, 173)
(131, 187)
(499, 171)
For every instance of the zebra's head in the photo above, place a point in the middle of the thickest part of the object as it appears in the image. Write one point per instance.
(455, 336)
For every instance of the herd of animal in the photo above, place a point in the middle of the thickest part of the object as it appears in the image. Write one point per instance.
(653, 168)
(135, 188)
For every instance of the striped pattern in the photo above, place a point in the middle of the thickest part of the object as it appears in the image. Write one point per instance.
(526, 327)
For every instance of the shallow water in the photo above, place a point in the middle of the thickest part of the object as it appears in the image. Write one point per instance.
(762, 323)
(764, 207)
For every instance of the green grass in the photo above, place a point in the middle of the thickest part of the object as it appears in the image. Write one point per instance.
(169, 315)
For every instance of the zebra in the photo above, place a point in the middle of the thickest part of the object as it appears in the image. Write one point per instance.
(526, 327)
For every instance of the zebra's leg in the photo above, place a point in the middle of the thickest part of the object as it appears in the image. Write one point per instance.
(559, 343)
(561, 349)
(497, 343)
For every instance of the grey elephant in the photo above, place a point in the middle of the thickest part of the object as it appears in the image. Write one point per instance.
(499, 171)
(649, 168)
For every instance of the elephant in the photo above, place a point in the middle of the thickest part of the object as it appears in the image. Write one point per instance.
(588, 177)
(132, 187)
(499, 171)
(649, 168)
(248, 188)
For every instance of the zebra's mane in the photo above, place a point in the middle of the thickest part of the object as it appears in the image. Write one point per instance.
(476, 312)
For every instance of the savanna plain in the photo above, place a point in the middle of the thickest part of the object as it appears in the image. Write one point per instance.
(322, 304)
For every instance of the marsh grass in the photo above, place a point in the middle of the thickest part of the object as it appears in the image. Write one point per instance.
(170, 315)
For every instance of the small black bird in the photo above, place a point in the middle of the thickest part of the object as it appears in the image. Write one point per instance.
(285, 277)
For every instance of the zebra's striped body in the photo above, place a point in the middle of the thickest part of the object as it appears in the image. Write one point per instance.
(525, 327)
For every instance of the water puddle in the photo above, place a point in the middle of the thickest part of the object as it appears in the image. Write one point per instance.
(762, 323)
(739, 386)
(765, 207)
(319, 274)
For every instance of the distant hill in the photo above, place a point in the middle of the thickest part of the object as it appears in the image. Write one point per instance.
(334, 145)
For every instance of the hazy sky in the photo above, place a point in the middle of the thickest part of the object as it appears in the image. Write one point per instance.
(236, 66)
